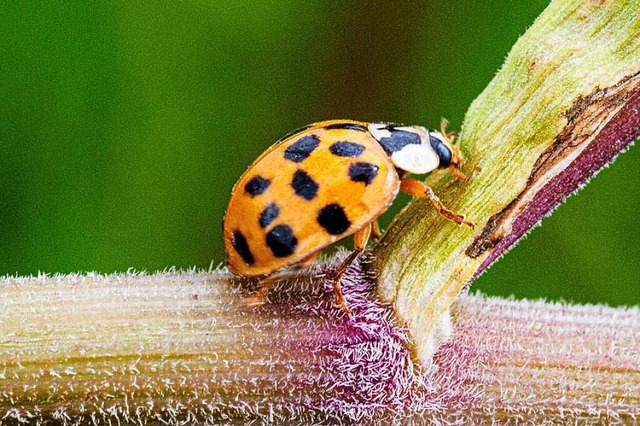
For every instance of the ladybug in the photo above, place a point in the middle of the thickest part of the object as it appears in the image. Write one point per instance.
(324, 182)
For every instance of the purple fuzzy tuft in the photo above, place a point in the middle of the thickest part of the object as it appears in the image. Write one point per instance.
(364, 365)
(361, 369)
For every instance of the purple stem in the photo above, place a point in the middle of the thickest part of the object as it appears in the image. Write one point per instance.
(616, 136)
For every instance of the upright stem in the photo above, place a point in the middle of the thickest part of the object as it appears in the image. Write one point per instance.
(564, 104)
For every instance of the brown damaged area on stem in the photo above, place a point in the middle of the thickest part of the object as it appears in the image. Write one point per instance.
(585, 119)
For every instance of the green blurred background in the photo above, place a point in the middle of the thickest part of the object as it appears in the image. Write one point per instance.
(123, 126)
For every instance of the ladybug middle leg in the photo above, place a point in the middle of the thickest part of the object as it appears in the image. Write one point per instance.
(420, 189)
(376, 233)
(360, 239)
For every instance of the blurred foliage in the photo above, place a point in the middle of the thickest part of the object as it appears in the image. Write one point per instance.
(123, 126)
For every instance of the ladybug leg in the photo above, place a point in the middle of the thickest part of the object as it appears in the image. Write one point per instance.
(457, 162)
(360, 240)
(337, 286)
(420, 189)
(456, 173)
(376, 233)
(361, 237)
(267, 283)
(264, 286)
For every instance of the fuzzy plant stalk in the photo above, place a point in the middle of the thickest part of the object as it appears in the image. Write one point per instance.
(183, 347)
(179, 348)
(564, 104)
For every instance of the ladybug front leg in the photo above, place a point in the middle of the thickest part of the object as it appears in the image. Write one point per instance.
(457, 162)
(420, 189)
(360, 239)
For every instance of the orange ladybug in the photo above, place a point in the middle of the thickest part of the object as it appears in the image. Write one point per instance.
(325, 182)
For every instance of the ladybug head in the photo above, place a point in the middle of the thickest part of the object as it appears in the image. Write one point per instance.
(414, 149)
(443, 146)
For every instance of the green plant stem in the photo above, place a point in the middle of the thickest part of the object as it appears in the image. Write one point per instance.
(564, 81)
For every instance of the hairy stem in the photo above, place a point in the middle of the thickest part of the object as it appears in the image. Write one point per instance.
(178, 347)
(564, 104)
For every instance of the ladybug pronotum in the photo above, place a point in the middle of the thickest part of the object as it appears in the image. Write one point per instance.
(325, 182)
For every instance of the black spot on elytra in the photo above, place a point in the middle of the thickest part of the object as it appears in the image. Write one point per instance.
(304, 185)
(346, 149)
(239, 243)
(398, 140)
(349, 126)
(281, 241)
(257, 185)
(268, 215)
(443, 151)
(301, 149)
(333, 219)
(363, 172)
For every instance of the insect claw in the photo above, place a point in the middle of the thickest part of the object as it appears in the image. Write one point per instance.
(456, 173)
(463, 221)
(473, 166)
(340, 301)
